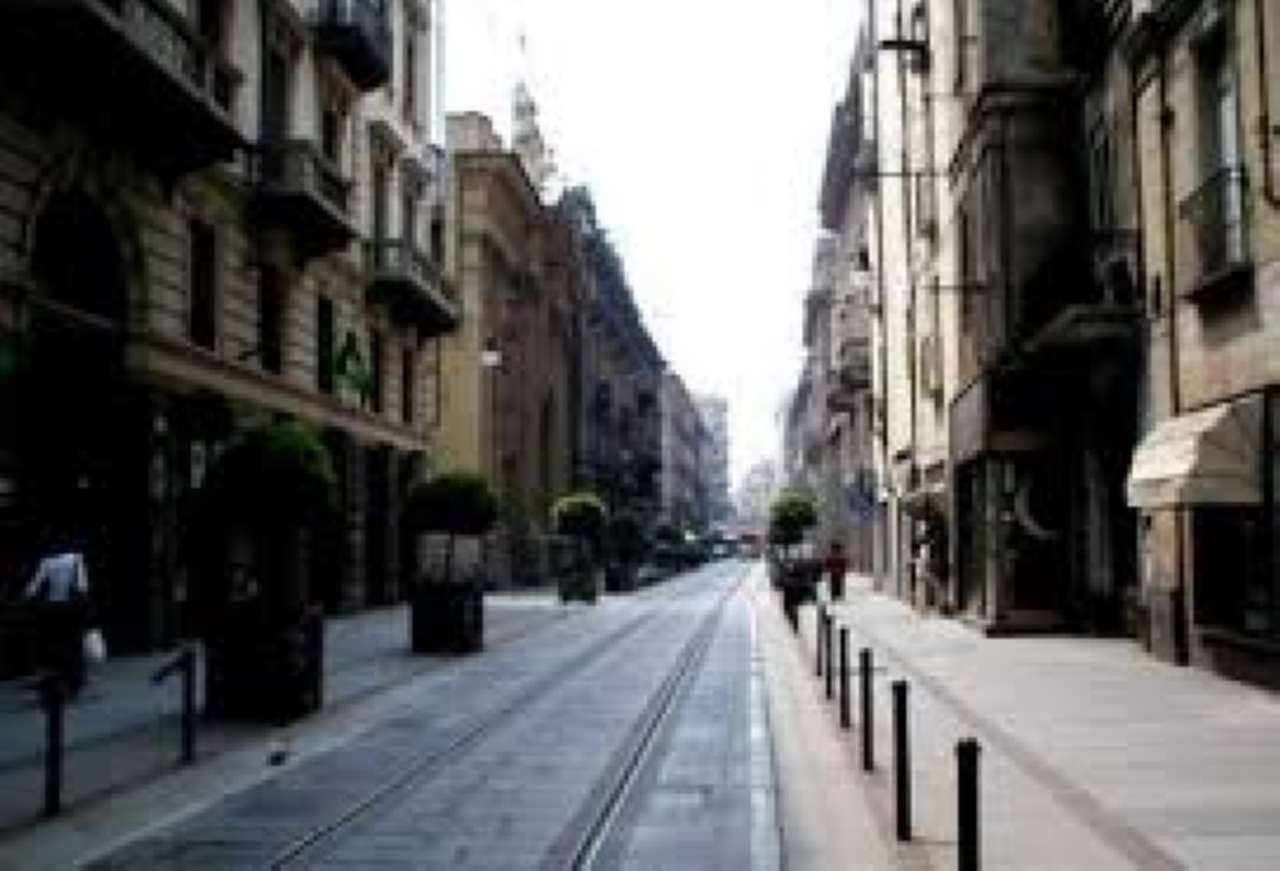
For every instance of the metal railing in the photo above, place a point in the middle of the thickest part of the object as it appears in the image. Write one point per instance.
(296, 166)
(1217, 217)
(162, 33)
(401, 259)
(368, 18)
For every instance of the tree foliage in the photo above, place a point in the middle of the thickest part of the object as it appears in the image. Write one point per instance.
(458, 503)
(790, 516)
(581, 515)
(278, 474)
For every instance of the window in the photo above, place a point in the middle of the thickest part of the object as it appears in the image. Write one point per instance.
(379, 203)
(376, 373)
(270, 320)
(960, 48)
(966, 269)
(409, 216)
(1101, 176)
(410, 73)
(408, 384)
(331, 134)
(324, 345)
(202, 285)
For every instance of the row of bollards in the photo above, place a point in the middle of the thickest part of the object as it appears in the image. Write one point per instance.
(53, 698)
(836, 677)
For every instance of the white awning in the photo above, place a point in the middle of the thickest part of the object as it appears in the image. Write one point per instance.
(1207, 457)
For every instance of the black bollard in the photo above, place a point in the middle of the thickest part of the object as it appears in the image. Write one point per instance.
(829, 645)
(52, 693)
(822, 617)
(967, 804)
(902, 759)
(868, 722)
(188, 706)
(844, 678)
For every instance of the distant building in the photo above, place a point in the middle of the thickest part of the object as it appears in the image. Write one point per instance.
(684, 492)
(715, 417)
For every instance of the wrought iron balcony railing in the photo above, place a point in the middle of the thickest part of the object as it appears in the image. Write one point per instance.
(296, 166)
(397, 257)
(358, 34)
(1216, 217)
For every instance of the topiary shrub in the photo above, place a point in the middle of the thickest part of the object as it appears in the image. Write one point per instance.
(791, 515)
(582, 517)
(274, 475)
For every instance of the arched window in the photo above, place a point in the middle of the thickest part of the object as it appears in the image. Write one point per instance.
(76, 258)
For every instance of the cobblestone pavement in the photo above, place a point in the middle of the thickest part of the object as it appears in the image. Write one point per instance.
(124, 729)
(516, 758)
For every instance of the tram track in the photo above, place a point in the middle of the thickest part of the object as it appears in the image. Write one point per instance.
(595, 837)
(312, 846)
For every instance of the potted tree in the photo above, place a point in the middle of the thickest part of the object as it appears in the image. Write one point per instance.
(267, 492)
(582, 517)
(791, 515)
(448, 615)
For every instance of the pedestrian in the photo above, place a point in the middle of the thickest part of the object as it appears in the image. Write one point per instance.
(837, 565)
(59, 597)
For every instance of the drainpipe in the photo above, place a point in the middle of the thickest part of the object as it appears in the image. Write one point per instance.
(1270, 192)
(1181, 619)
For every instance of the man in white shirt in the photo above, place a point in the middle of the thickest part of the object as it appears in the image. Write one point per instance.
(59, 593)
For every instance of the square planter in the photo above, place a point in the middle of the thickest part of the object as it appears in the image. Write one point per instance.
(447, 618)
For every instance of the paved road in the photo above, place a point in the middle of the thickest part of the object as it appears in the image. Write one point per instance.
(630, 736)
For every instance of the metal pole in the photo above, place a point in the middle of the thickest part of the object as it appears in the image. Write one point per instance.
(868, 723)
(902, 759)
(51, 689)
(822, 616)
(967, 804)
(829, 640)
(845, 719)
(188, 706)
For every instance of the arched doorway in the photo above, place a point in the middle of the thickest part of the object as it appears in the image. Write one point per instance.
(83, 439)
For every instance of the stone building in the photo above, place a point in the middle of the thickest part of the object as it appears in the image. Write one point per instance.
(684, 490)
(1205, 476)
(619, 448)
(509, 400)
(220, 213)
(849, 459)
(714, 411)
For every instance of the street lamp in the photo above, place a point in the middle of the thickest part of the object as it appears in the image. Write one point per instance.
(491, 360)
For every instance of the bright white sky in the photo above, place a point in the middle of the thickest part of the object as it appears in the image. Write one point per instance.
(700, 127)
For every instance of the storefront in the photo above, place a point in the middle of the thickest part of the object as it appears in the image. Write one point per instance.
(1208, 483)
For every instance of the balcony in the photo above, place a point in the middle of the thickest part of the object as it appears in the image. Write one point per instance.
(1085, 296)
(135, 67)
(357, 33)
(1214, 222)
(403, 278)
(297, 189)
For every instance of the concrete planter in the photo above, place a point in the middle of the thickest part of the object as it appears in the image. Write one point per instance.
(447, 618)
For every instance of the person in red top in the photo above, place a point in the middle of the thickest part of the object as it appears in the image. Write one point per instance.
(837, 564)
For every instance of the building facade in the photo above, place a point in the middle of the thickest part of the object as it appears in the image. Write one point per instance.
(246, 231)
(684, 489)
(849, 456)
(509, 403)
(1205, 476)
(714, 411)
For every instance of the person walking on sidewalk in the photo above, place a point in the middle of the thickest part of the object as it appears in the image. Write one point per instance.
(837, 565)
(59, 596)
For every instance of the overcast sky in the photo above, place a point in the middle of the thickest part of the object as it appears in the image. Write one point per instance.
(700, 126)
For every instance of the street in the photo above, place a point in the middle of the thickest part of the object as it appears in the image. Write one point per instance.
(622, 738)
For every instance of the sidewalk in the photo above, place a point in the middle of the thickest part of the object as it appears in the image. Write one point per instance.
(1094, 755)
(124, 731)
